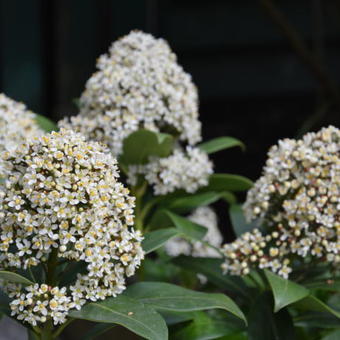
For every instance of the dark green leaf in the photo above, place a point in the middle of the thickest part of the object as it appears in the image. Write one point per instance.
(129, 313)
(227, 182)
(97, 330)
(45, 124)
(187, 227)
(220, 143)
(173, 318)
(204, 327)
(317, 320)
(31, 335)
(165, 296)
(285, 291)
(140, 145)
(329, 285)
(186, 204)
(155, 239)
(13, 277)
(211, 268)
(238, 221)
(335, 335)
(311, 303)
(265, 325)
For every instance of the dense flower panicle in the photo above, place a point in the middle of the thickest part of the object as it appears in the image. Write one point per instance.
(17, 124)
(188, 170)
(298, 201)
(63, 199)
(206, 217)
(138, 85)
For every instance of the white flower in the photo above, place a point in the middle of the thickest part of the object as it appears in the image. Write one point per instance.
(297, 199)
(67, 202)
(138, 84)
(17, 125)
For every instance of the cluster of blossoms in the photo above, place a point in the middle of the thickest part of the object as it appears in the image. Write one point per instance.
(63, 201)
(139, 85)
(298, 201)
(206, 217)
(17, 124)
(189, 170)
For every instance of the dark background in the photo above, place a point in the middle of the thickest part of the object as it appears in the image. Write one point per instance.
(264, 69)
(253, 83)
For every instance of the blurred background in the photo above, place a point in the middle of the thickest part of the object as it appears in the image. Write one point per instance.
(265, 69)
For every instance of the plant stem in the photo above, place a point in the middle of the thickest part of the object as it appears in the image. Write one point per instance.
(51, 267)
(47, 331)
(138, 192)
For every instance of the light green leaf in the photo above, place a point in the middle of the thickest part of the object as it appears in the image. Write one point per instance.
(140, 145)
(45, 124)
(285, 292)
(265, 325)
(155, 239)
(220, 143)
(127, 312)
(238, 221)
(187, 227)
(13, 277)
(311, 303)
(227, 182)
(97, 330)
(165, 296)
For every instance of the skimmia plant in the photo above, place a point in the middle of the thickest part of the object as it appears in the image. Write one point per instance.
(108, 218)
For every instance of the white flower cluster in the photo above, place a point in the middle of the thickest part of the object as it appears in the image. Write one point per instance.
(188, 170)
(138, 85)
(17, 124)
(63, 200)
(298, 200)
(206, 217)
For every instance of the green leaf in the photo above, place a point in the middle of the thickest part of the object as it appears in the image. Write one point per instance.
(165, 296)
(97, 330)
(328, 285)
(227, 182)
(311, 303)
(317, 320)
(285, 292)
(129, 313)
(211, 268)
(31, 335)
(265, 325)
(155, 239)
(186, 204)
(187, 227)
(335, 335)
(238, 221)
(220, 143)
(173, 318)
(16, 278)
(45, 124)
(204, 327)
(140, 145)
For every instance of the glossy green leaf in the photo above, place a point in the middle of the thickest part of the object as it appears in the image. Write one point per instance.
(204, 327)
(140, 145)
(13, 277)
(238, 221)
(285, 291)
(311, 303)
(211, 268)
(98, 329)
(265, 325)
(45, 124)
(220, 143)
(132, 314)
(186, 204)
(187, 227)
(155, 239)
(165, 296)
(227, 182)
